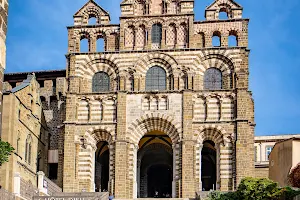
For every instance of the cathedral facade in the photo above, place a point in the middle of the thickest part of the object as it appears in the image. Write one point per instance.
(164, 108)
(158, 105)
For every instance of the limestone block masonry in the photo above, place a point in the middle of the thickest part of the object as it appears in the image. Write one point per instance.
(112, 97)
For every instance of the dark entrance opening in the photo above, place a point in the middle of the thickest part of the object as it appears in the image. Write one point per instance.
(209, 167)
(102, 167)
(155, 166)
(159, 181)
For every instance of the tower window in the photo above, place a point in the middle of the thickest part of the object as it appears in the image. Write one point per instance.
(156, 33)
(213, 79)
(101, 82)
(216, 39)
(28, 149)
(100, 44)
(233, 39)
(156, 79)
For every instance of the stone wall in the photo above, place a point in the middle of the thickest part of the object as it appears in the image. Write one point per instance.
(262, 172)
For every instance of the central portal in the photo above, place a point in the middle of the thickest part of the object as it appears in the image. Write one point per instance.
(155, 166)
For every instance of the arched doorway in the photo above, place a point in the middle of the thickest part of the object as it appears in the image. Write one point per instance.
(209, 166)
(155, 166)
(102, 167)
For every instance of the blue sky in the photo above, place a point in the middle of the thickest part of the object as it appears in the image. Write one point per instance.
(37, 40)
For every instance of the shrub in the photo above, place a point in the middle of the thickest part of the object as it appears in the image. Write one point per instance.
(5, 150)
(259, 189)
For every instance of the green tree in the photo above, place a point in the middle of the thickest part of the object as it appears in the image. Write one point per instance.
(5, 151)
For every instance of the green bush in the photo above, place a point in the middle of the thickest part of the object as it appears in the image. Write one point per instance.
(259, 189)
(5, 150)
(289, 193)
(254, 189)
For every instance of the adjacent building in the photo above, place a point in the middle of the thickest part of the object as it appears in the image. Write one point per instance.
(284, 158)
(263, 147)
(25, 128)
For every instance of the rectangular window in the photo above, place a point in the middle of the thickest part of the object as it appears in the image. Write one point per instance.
(53, 171)
(268, 151)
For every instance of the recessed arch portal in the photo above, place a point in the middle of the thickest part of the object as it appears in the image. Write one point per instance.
(208, 166)
(155, 166)
(102, 167)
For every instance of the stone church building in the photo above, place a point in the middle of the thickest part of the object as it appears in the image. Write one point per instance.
(156, 105)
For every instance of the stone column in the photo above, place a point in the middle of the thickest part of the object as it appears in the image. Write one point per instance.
(200, 166)
(139, 162)
(41, 188)
(17, 184)
(163, 39)
(174, 171)
(218, 182)
(135, 172)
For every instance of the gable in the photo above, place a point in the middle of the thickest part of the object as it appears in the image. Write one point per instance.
(91, 8)
(216, 5)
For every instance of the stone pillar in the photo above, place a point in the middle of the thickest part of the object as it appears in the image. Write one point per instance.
(41, 188)
(136, 82)
(17, 184)
(200, 167)
(139, 162)
(70, 184)
(122, 183)
(93, 44)
(218, 167)
(135, 172)
(121, 170)
(226, 167)
(188, 181)
(163, 38)
(187, 150)
(174, 172)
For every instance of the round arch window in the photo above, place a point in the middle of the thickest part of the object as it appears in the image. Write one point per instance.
(101, 82)
(213, 79)
(156, 79)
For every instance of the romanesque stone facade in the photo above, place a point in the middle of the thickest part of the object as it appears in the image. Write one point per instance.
(3, 31)
(161, 98)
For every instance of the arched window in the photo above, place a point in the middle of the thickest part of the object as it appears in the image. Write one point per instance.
(223, 15)
(100, 44)
(156, 34)
(213, 79)
(156, 79)
(101, 82)
(232, 39)
(84, 45)
(216, 39)
(92, 20)
(28, 149)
